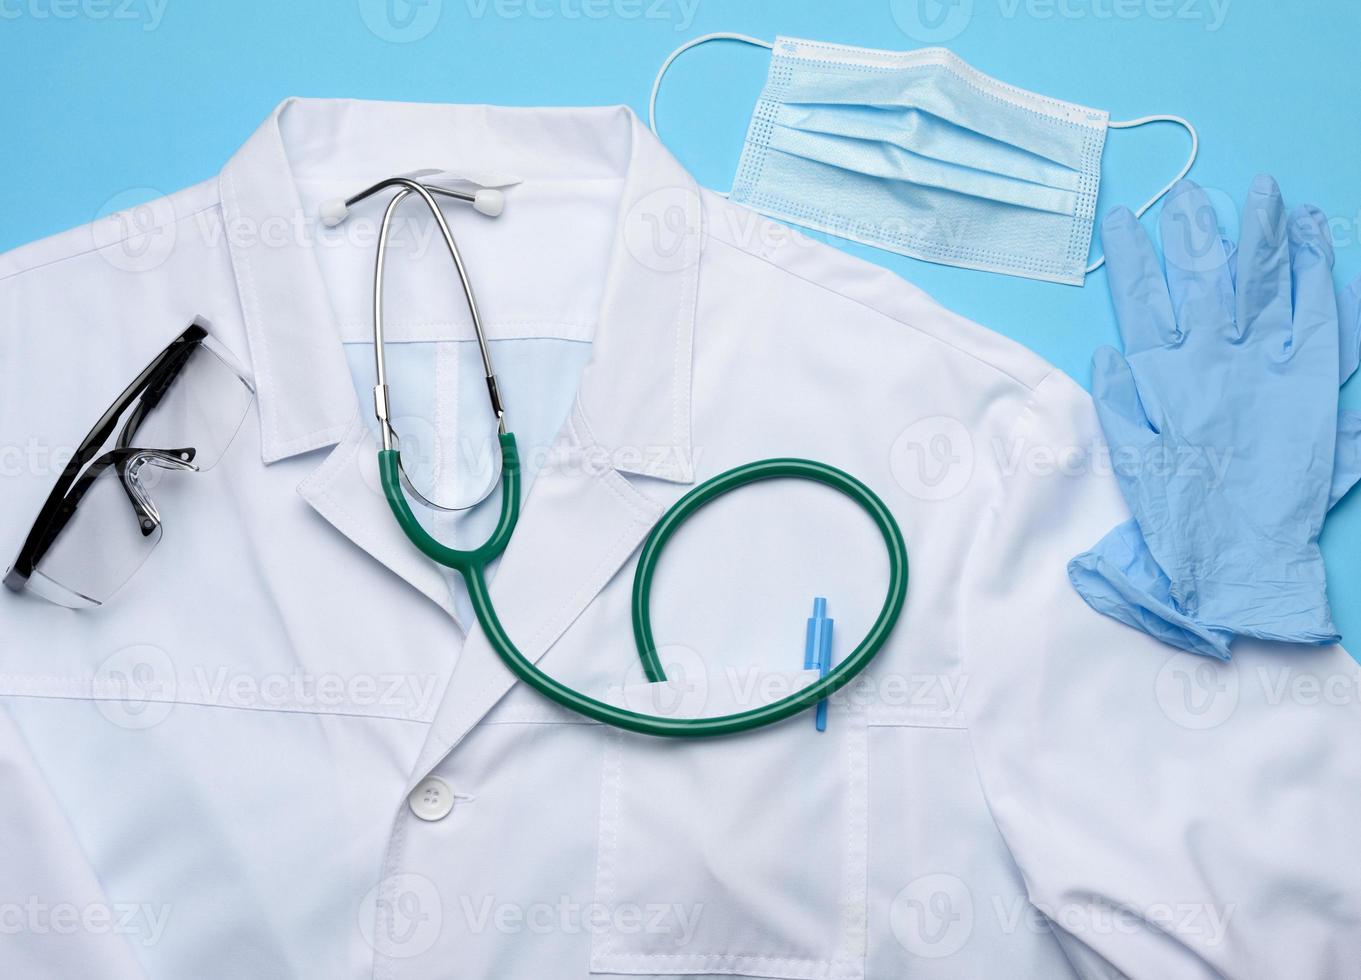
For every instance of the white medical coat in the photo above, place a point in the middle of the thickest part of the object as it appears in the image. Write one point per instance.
(223, 771)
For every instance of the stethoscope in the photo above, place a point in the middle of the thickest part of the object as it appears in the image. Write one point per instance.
(472, 563)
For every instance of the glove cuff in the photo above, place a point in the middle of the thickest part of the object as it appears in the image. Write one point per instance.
(1283, 605)
(1119, 578)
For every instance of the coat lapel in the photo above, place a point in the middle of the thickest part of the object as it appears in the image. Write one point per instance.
(346, 491)
(580, 525)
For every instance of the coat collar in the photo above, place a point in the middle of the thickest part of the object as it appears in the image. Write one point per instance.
(635, 393)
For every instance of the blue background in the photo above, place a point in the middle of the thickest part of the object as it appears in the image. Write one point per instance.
(112, 102)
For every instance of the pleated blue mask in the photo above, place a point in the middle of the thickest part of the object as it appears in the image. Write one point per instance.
(919, 153)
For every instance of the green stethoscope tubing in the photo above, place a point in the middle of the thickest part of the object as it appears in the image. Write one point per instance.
(471, 564)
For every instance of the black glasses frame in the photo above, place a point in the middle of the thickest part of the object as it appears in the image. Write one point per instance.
(146, 390)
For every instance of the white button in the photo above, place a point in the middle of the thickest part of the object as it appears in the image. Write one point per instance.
(432, 799)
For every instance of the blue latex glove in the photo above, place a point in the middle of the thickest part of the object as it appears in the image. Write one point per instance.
(1216, 349)
(1120, 579)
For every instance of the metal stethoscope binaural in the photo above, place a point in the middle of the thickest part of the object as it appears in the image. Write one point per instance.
(472, 563)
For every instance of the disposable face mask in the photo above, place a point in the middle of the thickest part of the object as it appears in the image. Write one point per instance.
(919, 153)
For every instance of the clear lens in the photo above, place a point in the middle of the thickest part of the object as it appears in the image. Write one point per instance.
(184, 426)
(202, 410)
(106, 540)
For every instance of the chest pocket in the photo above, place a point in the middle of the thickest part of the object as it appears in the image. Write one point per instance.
(738, 856)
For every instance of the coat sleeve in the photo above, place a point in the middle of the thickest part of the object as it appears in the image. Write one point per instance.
(1173, 816)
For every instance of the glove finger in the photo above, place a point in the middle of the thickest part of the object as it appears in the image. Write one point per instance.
(1143, 309)
(1118, 404)
(1347, 460)
(1349, 313)
(1311, 268)
(1262, 287)
(1198, 277)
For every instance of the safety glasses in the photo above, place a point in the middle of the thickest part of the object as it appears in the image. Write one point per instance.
(101, 520)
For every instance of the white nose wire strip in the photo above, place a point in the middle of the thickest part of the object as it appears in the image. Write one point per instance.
(1195, 147)
(692, 43)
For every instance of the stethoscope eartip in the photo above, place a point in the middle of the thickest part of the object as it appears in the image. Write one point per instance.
(489, 201)
(333, 212)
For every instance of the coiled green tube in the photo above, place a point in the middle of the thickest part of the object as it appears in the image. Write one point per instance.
(472, 565)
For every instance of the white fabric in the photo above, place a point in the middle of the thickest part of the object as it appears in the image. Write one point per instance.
(1018, 788)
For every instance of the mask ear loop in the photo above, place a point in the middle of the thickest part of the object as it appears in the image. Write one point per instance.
(694, 42)
(1195, 147)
